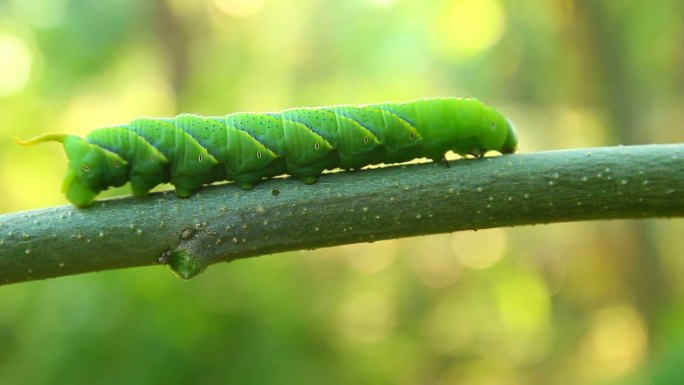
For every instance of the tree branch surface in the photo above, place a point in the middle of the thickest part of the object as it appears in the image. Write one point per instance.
(223, 223)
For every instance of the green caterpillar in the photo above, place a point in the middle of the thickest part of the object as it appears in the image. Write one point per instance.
(190, 151)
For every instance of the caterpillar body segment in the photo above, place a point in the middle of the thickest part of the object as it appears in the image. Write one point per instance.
(190, 151)
(148, 166)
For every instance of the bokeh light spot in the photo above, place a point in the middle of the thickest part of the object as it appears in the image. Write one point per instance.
(367, 317)
(450, 326)
(16, 59)
(479, 249)
(469, 27)
(371, 258)
(41, 13)
(616, 343)
(523, 301)
(435, 263)
(523, 333)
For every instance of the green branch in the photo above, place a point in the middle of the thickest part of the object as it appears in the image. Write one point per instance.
(223, 223)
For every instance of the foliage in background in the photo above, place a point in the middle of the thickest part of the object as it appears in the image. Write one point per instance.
(564, 304)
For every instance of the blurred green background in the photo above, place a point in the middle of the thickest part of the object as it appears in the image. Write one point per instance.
(591, 303)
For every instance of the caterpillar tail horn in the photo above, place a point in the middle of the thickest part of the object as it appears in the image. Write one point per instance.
(61, 138)
(91, 169)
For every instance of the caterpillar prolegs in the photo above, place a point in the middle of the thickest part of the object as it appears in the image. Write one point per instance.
(190, 151)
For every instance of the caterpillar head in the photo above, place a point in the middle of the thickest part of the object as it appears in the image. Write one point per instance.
(501, 135)
(91, 169)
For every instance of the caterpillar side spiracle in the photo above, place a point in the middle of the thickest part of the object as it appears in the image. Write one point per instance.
(190, 151)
